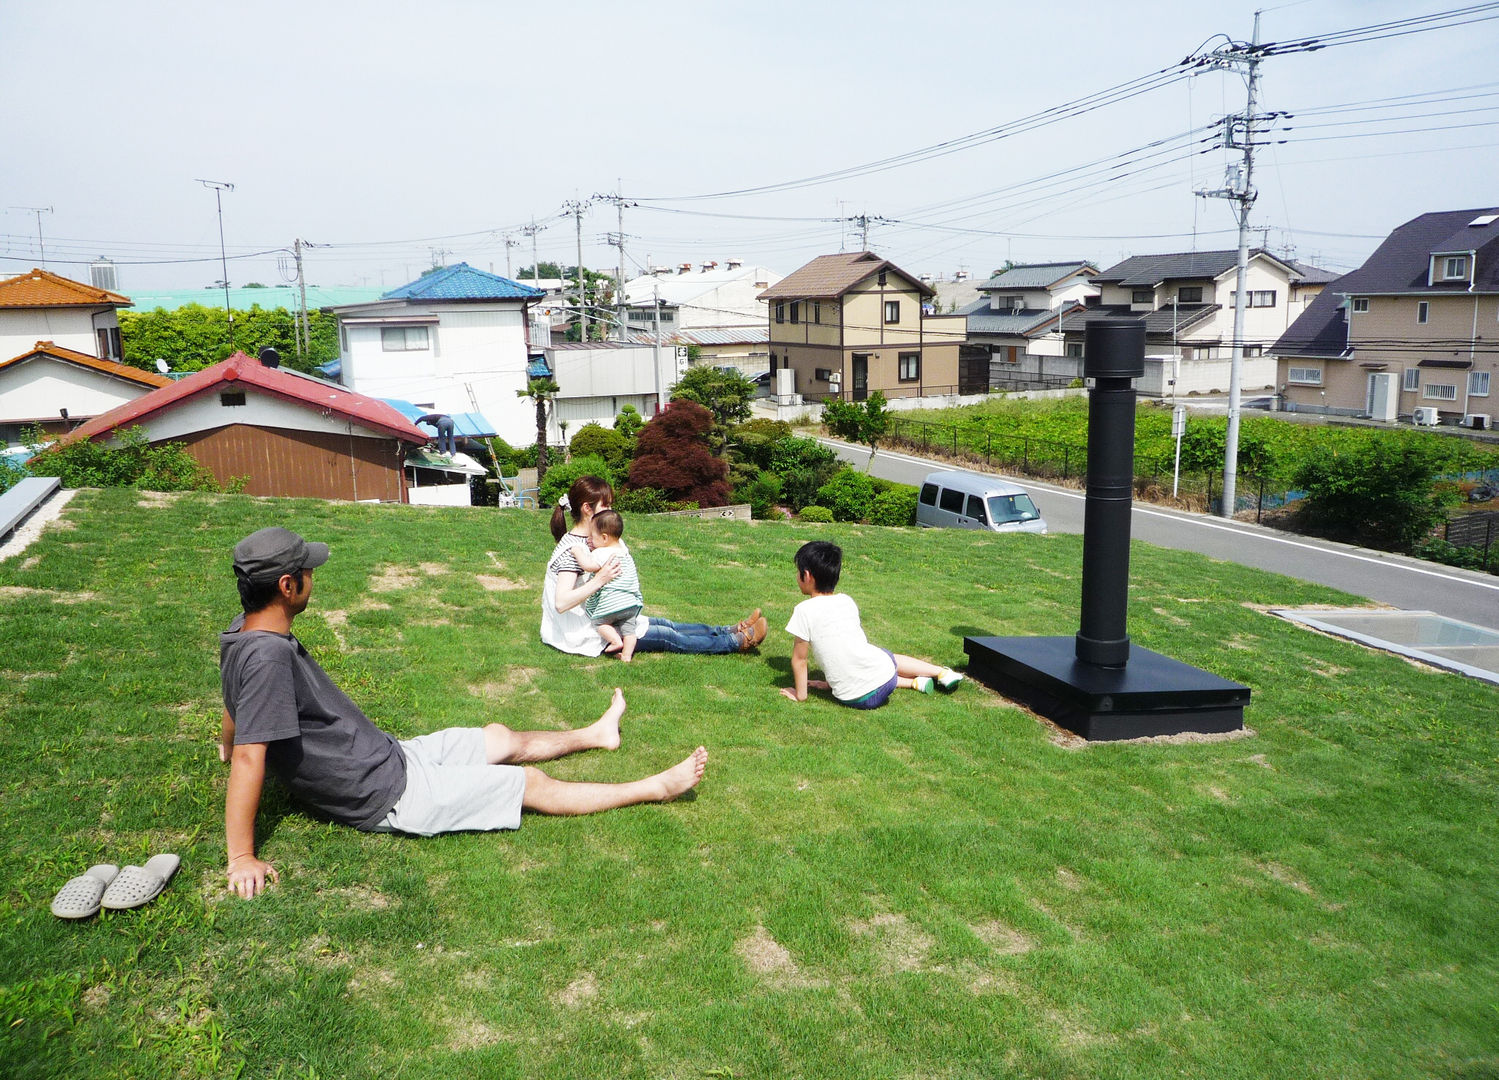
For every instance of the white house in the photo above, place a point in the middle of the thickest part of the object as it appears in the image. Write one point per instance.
(710, 307)
(598, 378)
(455, 340)
(42, 306)
(57, 388)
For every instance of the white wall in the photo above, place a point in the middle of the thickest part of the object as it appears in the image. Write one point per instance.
(72, 328)
(482, 346)
(36, 389)
(206, 413)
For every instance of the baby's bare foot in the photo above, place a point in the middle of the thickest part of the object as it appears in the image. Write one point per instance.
(684, 775)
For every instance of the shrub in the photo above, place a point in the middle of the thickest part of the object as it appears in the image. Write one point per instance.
(896, 507)
(641, 501)
(819, 515)
(763, 493)
(629, 422)
(804, 465)
(849, 495)
(131, 463)
(726, 394)
(599, 441)
(560, 477)
(1381, 492)
(672, 454)
(754, 440)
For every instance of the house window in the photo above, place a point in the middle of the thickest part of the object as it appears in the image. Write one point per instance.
(1075, 350)
(882, 279)
(1423, 311)
(1189, 294)
(780, 312)
(232, 398)
(1257, 298)
(1455, 266)
(343, 339)
(892, 311)
(1304, 376)
(796, 311)
(1412, 380)
(109, 342)
(403, 338)
(823, 374)
(1142, 296)
(910, 366)
(1254, 350)
(1440, 391)
(1360, 305)
(1478, 384)
(817, 311)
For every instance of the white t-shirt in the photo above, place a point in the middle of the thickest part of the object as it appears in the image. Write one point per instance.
(852, 666)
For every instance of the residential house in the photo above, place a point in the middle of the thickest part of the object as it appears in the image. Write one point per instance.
(1410, 333)
(455, 340)
(849, 324)
(714, 311)
(55, 388)
(281, 432)
(42, 306)
(1019, 318)
(597, 379)
(1187, 302)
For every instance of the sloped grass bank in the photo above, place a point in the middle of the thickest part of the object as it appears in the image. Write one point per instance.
(937, 888)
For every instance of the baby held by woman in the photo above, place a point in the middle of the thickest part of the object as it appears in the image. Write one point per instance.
(615, 607)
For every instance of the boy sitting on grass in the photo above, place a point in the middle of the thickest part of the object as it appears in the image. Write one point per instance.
(615, 608)
(827, 623)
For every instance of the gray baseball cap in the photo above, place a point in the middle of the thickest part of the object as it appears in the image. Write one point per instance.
(269, 553)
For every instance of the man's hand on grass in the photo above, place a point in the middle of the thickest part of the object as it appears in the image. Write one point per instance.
(247, 876)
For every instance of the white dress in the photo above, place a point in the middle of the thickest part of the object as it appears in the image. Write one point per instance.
(571, 631)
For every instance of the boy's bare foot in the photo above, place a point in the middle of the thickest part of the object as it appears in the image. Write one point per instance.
(684, 775)
(605, 730)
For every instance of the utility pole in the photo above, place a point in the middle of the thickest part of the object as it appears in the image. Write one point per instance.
(1239, 133)
(531, 230)
(618, 240)
(219, 187)
(305, 338)
(575, 208)
(864, 221)
(510, 242)
(656, 354)
(38, 211)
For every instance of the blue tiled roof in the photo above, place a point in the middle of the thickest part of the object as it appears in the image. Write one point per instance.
(537, 368)
(463, 282)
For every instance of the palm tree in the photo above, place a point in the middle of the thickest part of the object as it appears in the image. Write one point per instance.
(543, 391)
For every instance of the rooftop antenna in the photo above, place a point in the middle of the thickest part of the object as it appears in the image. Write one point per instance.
(219, 187)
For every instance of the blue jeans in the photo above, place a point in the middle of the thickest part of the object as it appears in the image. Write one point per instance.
(663, 635)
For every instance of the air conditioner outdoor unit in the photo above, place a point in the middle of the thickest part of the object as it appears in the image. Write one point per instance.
(1478, 421)
(1426, 415)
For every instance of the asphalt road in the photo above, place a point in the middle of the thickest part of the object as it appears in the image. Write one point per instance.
(1411, 584)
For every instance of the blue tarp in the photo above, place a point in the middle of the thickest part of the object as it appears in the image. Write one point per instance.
(469, 424)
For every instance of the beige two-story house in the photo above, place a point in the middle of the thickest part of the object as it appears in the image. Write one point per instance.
(849, 324)
(1410, 334)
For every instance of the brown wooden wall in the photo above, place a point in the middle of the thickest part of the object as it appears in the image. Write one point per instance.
(302, 464)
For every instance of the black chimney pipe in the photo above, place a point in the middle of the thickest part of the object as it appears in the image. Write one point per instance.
(1113, 357)
(270, 357)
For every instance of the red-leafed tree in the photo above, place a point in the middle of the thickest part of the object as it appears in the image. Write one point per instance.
(672, 454)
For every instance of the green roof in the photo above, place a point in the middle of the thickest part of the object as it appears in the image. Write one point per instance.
(242, 299)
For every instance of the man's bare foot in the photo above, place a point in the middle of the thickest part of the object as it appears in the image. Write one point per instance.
(684, 775)
(605, 730)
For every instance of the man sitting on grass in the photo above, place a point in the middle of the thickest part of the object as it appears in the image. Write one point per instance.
(283, 711)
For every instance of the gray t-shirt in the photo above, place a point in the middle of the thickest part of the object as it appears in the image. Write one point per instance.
(318, 743)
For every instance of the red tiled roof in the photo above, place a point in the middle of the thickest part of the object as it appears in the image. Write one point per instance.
(241, 370)
(42, 288)
(108, 367)
(834, 275)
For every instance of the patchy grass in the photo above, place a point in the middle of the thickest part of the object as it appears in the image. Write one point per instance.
(936, 888)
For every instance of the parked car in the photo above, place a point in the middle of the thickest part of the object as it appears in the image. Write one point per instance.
(960, 500)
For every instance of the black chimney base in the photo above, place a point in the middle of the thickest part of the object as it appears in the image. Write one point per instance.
(1151, 695)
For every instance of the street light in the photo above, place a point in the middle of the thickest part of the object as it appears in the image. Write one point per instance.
(219, 187)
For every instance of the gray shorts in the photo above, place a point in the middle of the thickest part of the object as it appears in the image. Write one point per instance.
(625, 620)
(451, 788)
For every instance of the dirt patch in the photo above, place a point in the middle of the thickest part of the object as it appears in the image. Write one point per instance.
(764, 955)
(1005, 940)
(157, 500)
(1175, 620)
(30, 562)
(519, 679)
(96, 997)
(495, 583)
(17, 592)
(470, 1034)
(1285, 876)
(1068, 880)
(1260, 760)
(432, 569)
(392, 578)
(361, 896)
(1068, 741)
(584, 988)
(900, 945)
(1218, 793)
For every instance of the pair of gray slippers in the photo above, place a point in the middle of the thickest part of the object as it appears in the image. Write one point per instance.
(107, 886)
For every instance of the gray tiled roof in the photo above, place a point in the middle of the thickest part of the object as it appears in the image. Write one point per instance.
(1320, 330)
(1148, 270)
(1159, 323)
(1401, 263)
(1035, 275)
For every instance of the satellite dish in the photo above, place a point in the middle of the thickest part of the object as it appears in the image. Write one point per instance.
(161, 366)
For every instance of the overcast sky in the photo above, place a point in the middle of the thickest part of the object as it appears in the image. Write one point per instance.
(400, 133)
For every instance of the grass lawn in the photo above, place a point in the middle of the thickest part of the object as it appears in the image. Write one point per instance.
(935, 889)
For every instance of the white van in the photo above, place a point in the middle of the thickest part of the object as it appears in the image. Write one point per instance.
(960, 500)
